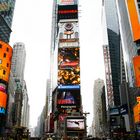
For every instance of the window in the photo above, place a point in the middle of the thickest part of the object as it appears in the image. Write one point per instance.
(4, 72)
(7, 49)
(0, 45)
(4, 55)
(7, 64)
(0, 61)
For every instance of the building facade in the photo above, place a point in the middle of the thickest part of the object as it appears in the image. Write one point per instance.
(99, 125)
(65, 70)
(6, 15)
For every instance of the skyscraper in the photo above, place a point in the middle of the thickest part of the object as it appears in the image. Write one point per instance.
(18, 61)
(65, 70)
(6, 15)
(112, 54)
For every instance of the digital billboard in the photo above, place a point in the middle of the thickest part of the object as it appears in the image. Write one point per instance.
(75, 124)
(136, 111)
(3, 99)
(5, 61)
(68, 98)
(136, 64)
(68, 66)
(68, 31)
(68, 43)
(2, 87)
(68, 58)
(134, 19)
(67, 12)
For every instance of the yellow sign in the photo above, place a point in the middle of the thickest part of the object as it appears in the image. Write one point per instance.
(134, 19)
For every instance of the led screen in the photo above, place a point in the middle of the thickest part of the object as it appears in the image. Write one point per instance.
(75, 124)
(68, 66)
(134, 19)
(136, 64)
(68, 98)
(3, 99)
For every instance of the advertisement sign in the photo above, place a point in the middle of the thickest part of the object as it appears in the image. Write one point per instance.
(75, 124)
(136, 111)
(67, 12)
(68, 31)
(136, 64)
(5, 57)
(2, 87)
(3, 99)
(2, 110)
(68, 43)
(69, 87)
(68, 58)
(68, 66)
(68, 98)
(69, 77)
(134, 19)
(66, 2)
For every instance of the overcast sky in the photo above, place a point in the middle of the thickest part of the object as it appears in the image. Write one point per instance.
(32, 26)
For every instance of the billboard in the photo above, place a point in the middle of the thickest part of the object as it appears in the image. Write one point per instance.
(67, 12)
(134, 19)
(75, 124)
(136, 111)
(2, 87)
(3, 99)
(68, 32)
(5, 61)
(68, 43)
(66, 2)
(68, 98)
(136, 64)
(68, 66)
(68, 58)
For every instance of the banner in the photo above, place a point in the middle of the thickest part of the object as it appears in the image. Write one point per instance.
(134, 19)
(136, 64)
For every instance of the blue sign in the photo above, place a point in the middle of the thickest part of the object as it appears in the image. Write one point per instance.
(69, 87)
(2, 110)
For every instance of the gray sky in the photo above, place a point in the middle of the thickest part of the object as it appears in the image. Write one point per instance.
(32, 26)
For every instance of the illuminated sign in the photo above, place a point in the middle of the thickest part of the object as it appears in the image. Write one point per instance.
(65, 2)
(61, 87)
(136, 64)
(136, 111)
(3, 99)
(75, 124)
(2, 110)
(67, 11)
(138, 99)
(68, 98)
(134, 19)
(5, 65)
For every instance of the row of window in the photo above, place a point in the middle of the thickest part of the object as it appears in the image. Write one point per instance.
(7, 49)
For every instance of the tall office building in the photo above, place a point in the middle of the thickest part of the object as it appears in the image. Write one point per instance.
(18, 61)
(65, 71)
(6, 15)
(112, 53)
(129, 17)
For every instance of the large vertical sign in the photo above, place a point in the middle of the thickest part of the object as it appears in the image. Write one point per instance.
(5, 66)
(136, 63)
(134, 19)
